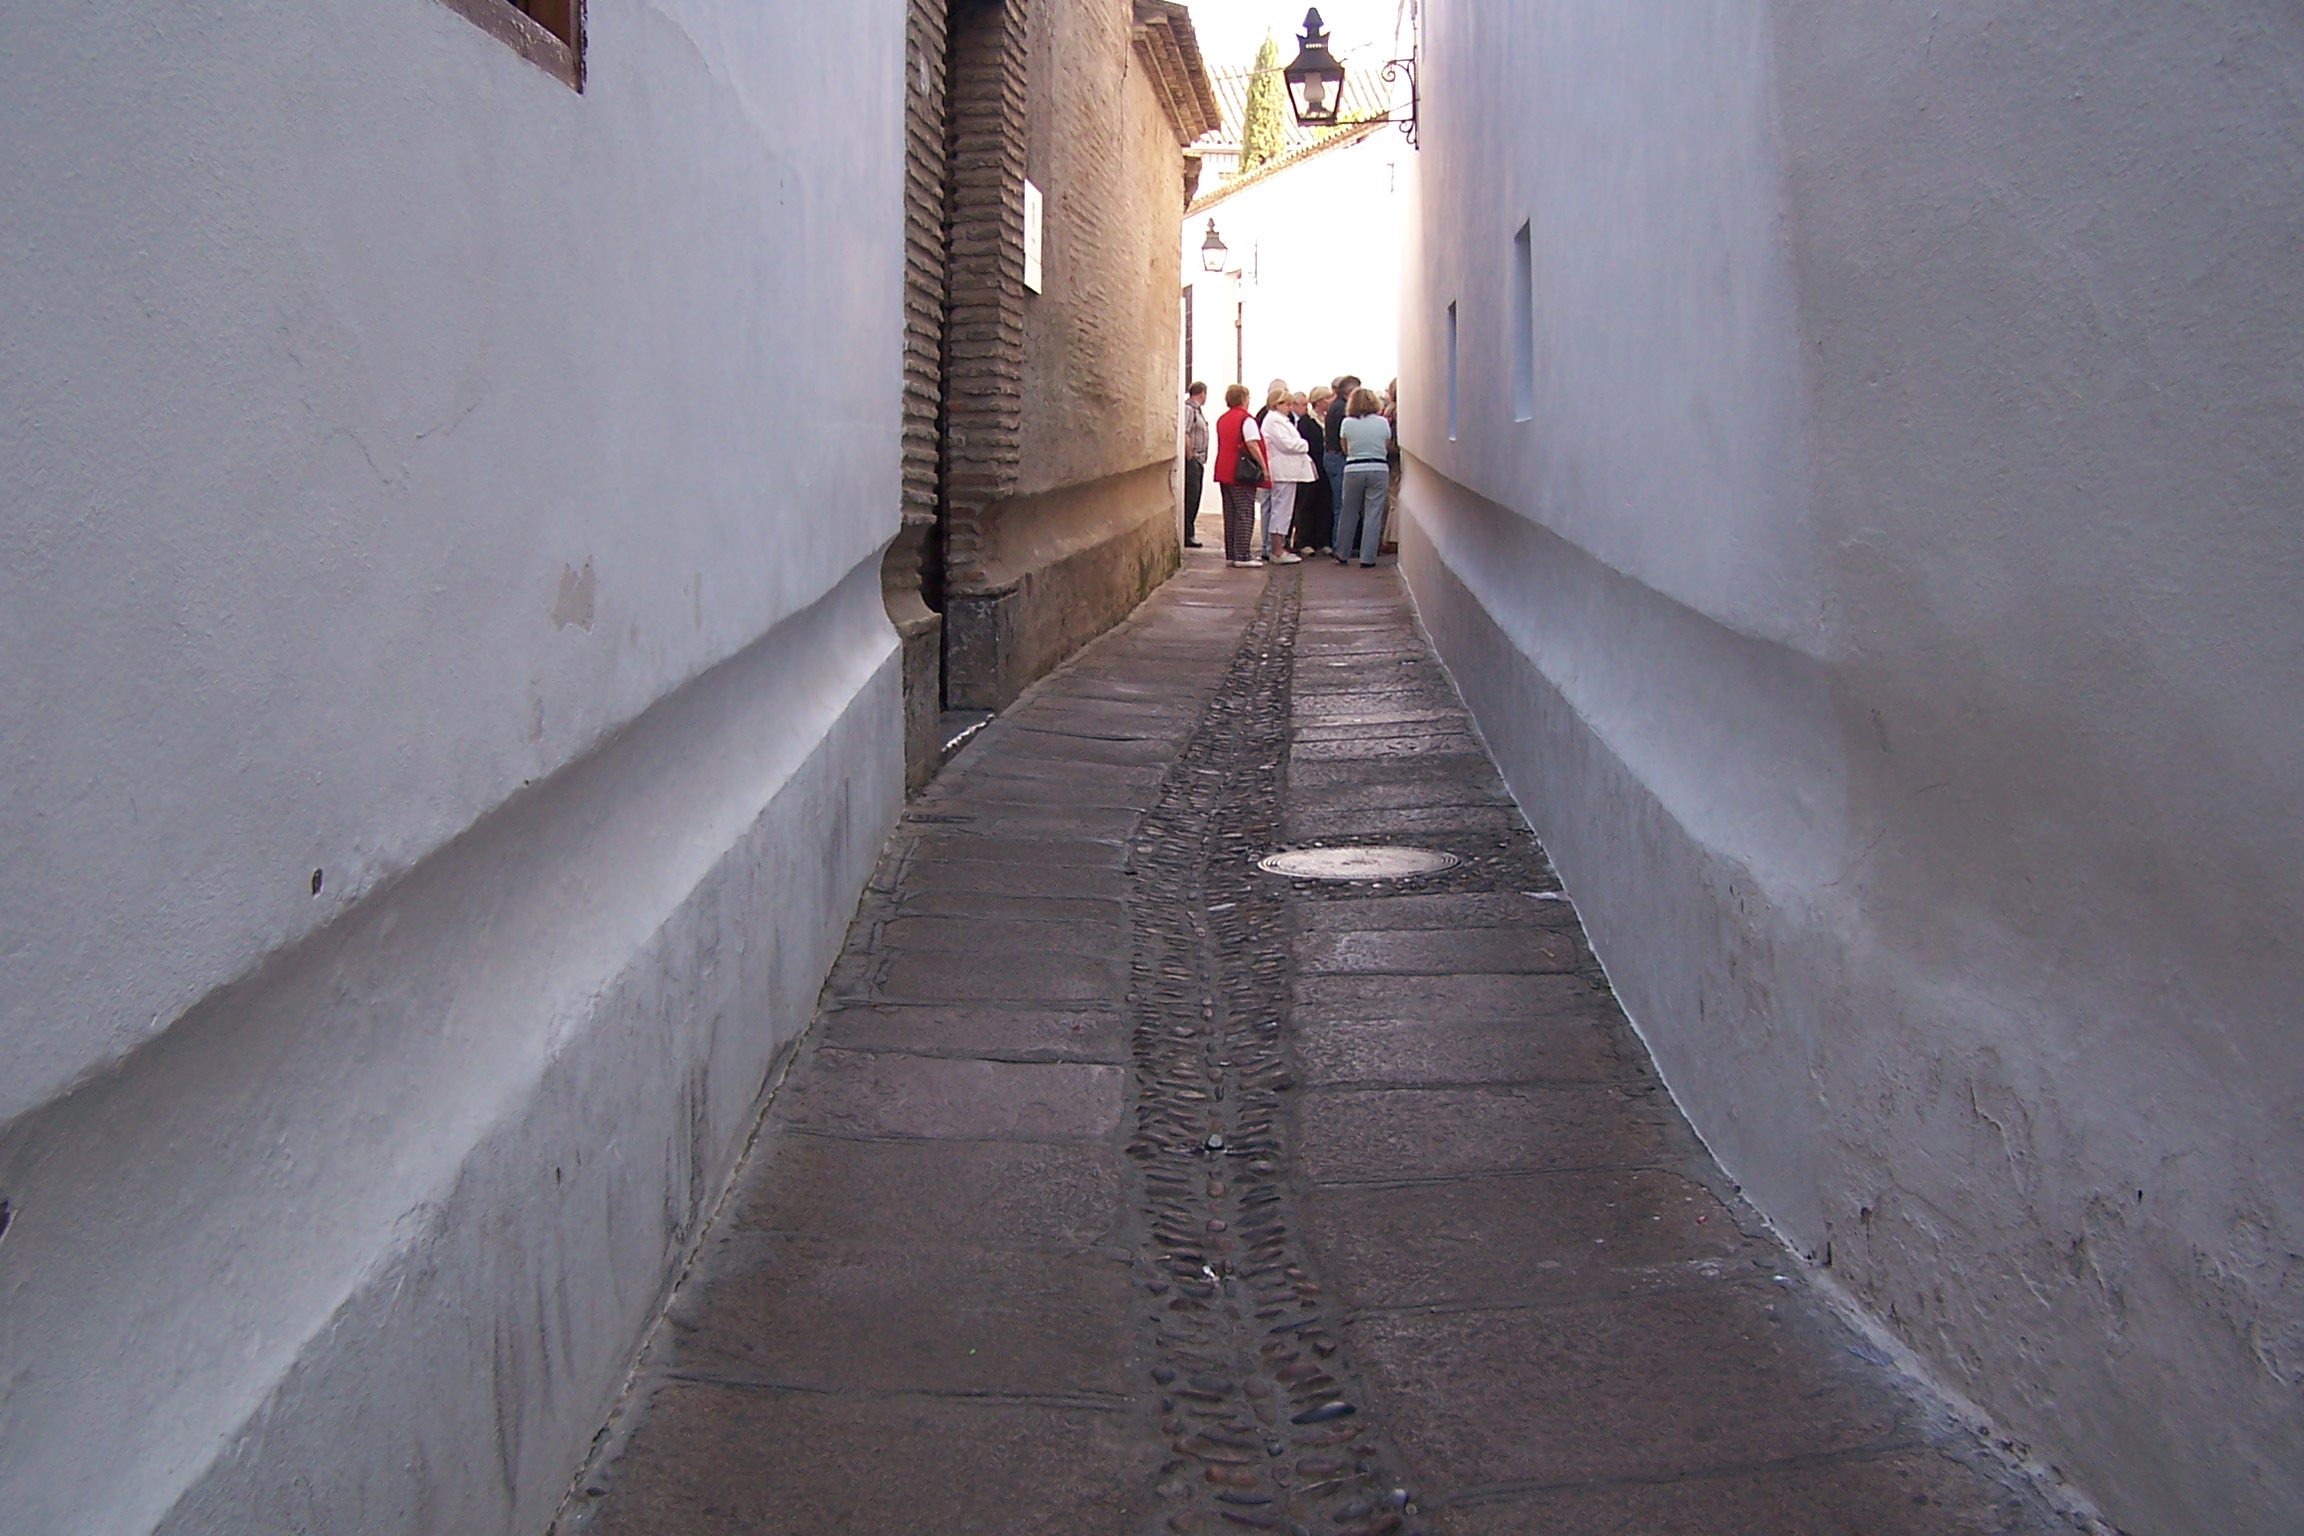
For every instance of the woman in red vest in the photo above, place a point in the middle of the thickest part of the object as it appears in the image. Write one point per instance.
(1239, 474)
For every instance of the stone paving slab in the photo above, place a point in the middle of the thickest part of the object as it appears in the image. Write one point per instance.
(1422, 952)
(1030, 978)
(973, 776)
(715, 1461)
(1483, 910)
(1160, 723)
(1123, 1188)
(1088, 687)
(1646, 1387)
(994, 1033)
(928, 899)
(1354, 746)
(1006, 799)
(1524, 1238)
(1348, 687)
(1053, 821)
(1400, 1054)
(1421, 712)
(1004, 1194)
(954, 933)
(1354, 718)
(1312, 779)
(1405, 788)
(1465, 999)
(1016, 877)
(1066, 849)
(1434, 825)
(825, 1315)
(878, 1094)
(1081, 747)
(1425, 1132)
(1912, 1494)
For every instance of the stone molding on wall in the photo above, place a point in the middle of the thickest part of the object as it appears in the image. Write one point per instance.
(1066, 566)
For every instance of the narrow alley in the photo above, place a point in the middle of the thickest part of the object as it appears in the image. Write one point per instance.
(701, 843)
(1122, 1186)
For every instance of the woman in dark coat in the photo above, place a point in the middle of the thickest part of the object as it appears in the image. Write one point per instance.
(1315, 502)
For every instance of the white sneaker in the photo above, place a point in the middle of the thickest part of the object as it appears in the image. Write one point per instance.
(1287, 557)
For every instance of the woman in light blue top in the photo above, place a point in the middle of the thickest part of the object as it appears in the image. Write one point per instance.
(1367, 440)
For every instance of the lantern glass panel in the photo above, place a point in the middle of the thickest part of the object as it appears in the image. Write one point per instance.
(1315, 79)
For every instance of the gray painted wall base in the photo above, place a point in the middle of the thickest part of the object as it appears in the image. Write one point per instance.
(1859, 1082)
(405, 1200)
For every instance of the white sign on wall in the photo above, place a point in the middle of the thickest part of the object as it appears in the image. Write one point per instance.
(1031, 238)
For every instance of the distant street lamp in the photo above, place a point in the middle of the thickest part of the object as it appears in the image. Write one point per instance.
(1315, 80)
(1213, 250)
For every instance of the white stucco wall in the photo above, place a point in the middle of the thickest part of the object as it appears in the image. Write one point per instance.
(1889, 619)
(424, 474)
(1318, 249)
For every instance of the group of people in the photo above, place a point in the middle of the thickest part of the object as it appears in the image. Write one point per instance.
(1315, 469)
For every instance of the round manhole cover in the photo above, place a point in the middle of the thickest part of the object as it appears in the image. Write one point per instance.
(1357, 863)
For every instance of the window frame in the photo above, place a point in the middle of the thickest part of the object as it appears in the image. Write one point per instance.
(1453, 353)
(507, 22)
(1524, 322)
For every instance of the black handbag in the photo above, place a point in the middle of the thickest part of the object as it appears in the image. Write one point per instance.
(1247, 466)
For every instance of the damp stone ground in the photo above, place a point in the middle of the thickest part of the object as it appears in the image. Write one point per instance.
(1122, 1187)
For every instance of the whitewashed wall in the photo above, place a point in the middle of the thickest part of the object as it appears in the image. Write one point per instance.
(1318, 248)
(470, 490)
(1889, 618)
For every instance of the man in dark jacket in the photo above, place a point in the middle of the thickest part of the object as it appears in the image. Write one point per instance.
(1195, 456)
(1334, 433)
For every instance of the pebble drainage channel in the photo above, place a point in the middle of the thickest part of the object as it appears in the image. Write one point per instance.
(1253, 1391)
(1383, 862)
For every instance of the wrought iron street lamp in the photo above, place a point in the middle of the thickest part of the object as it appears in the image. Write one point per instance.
(1315, 79)
(1316, 82)
(1213, 250)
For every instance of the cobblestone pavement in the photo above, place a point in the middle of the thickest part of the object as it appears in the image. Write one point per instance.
(1123, 1188)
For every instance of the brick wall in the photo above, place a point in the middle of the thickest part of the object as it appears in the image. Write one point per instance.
(984, 328)
(1059, 407)
(924, 198)
(1100, 341)
(911, 574)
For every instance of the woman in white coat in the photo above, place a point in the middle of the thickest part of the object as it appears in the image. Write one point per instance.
(1290, 460)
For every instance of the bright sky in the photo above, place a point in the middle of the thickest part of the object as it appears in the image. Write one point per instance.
(1358, 30)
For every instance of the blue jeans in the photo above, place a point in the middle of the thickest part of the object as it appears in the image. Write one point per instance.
(1360, 511)
(1334, 464)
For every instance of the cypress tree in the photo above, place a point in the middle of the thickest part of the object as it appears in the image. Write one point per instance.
(1263, 131)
